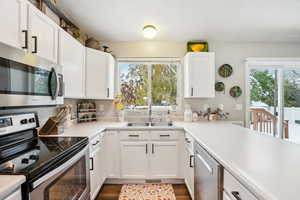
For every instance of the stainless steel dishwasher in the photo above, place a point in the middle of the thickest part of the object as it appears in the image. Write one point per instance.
(208, 176)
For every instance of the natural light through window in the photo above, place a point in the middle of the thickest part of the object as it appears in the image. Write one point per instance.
(143, 84)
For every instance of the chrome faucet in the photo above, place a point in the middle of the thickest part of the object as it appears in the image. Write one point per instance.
(150, 114)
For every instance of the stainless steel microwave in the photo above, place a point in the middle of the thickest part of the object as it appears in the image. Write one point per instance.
(26, 85)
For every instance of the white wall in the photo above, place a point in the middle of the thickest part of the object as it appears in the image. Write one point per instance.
(226, 52)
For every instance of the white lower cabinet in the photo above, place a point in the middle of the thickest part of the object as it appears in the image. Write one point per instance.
(15, 195)
(112, 157)
(145, 157)
(164, 160)
(189, 171)
(134, 160)
(235, 189)
(97, 165)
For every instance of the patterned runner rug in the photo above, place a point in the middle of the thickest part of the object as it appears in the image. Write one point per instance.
(147, 192)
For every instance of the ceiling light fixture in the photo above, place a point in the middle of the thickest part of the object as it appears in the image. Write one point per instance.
(149, 31)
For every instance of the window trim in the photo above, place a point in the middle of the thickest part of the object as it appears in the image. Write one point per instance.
(148, 62)
(267, 63)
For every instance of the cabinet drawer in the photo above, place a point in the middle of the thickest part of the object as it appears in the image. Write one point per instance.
(235, 189)
(95, 143)
(164, 135)
(134, 135)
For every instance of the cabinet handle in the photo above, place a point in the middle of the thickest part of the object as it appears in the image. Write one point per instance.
(96, 143)
(107, 92)
(164, 135)
(236, 195)
(192, 91)
(35, 44)
(146, 148)
(92, 165)
(191, 164)
(133, 135)
(26, 39)
(152, 148)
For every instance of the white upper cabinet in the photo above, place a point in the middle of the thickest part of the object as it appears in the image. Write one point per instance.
(199, 75)
(71, 57)
(13, 23)
(43, 34)
(100, 68)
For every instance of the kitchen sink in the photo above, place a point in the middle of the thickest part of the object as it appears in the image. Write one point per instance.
(148, 124)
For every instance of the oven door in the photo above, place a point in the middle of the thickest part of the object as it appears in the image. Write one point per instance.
(68, 181)
(24, 85)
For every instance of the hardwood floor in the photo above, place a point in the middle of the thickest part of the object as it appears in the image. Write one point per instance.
(111, 192)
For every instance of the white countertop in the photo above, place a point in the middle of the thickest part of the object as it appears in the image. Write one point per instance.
(9, 183)
(267, 166)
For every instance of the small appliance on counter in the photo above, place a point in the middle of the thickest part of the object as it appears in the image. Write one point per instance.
(86, 111)
(54, 167)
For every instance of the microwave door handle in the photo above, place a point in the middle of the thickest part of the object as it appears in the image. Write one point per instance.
(57, 84)
(53, 94)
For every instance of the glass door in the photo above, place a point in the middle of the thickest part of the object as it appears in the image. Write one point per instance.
(264, 100)
(291, 105)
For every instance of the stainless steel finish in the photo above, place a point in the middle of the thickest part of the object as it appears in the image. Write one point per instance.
(147, 124)
(61, 168)
(9, 100)
(208, 176)
(16, 124)
(161, 124)
(41, 184)
(150, 114)
(57, 83)
(13, 100)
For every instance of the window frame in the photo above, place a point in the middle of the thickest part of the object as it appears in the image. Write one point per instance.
(149, 62)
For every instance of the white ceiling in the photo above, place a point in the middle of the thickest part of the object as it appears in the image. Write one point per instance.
(183, 20)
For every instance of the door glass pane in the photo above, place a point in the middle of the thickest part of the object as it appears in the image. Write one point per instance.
(291, 116)
(264, 101)
(134, 84)
(164, 84)
(70, 185)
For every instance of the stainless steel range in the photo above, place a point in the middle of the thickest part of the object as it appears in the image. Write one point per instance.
(55, 167)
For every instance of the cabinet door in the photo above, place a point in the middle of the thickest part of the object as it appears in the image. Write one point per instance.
(97, 74)
(95, 172)
(44, 35)
(134, 160)
(164, 161)
(13, 23)
(111, 75)
(200, 75)
(112, 156)
(71, 58)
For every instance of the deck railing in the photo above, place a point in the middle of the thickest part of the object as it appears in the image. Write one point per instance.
(265, 122)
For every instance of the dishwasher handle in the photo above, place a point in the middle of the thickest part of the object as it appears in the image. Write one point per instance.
(207, 166)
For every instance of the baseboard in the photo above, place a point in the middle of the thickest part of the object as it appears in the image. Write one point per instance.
(143, 181)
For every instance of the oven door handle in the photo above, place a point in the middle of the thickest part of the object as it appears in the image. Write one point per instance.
(61, 168)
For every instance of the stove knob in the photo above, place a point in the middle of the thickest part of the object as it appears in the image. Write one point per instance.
(33, 157)
(24, 121)
(25, 161)
(31, 120)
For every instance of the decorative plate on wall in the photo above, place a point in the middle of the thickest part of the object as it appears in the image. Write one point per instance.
(235, 91)
(219, 86)
(225, 70)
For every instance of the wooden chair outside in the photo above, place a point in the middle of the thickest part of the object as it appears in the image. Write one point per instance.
(265, 122)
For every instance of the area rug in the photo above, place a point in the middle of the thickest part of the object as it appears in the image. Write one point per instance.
(147, 192)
